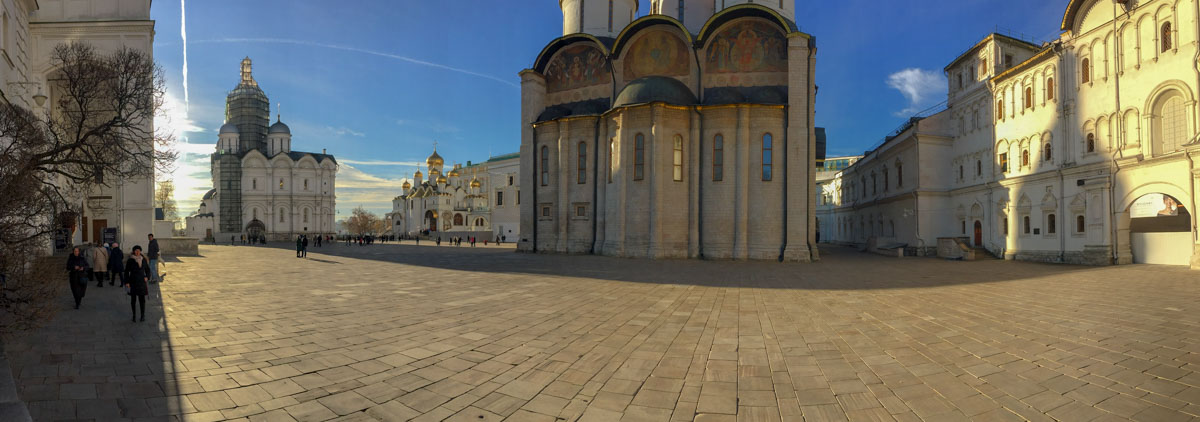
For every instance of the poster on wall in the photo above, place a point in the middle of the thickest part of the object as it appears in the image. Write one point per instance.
(1156, 205)
(109, 235)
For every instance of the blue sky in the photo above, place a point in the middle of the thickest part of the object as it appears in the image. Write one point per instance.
(377, 82)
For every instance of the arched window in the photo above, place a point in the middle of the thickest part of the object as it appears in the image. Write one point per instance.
(581, 166)
(1170, 124)
(1085, 71)
(1051, 224)
(545, 166)
(1166, 37)
(282, 212)
(1024, 158)
(1091, 143)
(1050, 88)
(677, 155)
(978, 167)
(458, 219)
(1079, 226)
(1048, 152)
(767, 148)
(899, 175)
(1028, 96)
(886, 182)
(305, 184)
(280, 184)
(1004, 162)
(1025, 220)
(718, 158)
(306, 215)
(1000, 108)
(639, 156)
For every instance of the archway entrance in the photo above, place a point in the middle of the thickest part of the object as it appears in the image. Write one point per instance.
(1160, 230)
(255, 231)
(431, 220)
(978, 233)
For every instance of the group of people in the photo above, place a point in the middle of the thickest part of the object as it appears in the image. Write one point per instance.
(458, 240)
(302, 245)
(108, 261)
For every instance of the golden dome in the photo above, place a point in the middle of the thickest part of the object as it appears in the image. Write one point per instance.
(434, 159)
(433, 173)
(406, 185)
(418, 175)
(475, 183)
(453, 172)
(441, 180)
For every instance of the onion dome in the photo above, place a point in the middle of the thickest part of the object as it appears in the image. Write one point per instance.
(475, 183)
(406, 185)
(279, 127)
(435, 160)
(434, 172)
(441, 180)
(453, 172)
(417, 175)
(229, 127)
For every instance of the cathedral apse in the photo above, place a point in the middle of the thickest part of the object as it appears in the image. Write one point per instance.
(577, 66)
(656, 53)
(747, 47)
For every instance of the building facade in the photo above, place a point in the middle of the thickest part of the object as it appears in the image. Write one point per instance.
(1080, 150)
(685, 133)
(262, 189)
(119, 209)
(466, 201)
(827, 189)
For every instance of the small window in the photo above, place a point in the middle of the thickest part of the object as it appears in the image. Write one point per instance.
(1166, 37)
(718, 163)
(545, 166)
(1085, 70)
(306, 185)
(1091, 142)
(766, 157)
(1049, 88)
(510, 180)
(886, 182)
(960, 172)
(581, 211)
(254, 184)
(545, 211)
(612, 145)
(281, 212)
(677, 156)
(1048, 152)
(1025, 220)
(1004, 162)
(1000, 108)
(1028, 97)
(1079, 224)
(281, 184)
(306, 215)
(1004, 223)
(1008, 61)
(1051, 224)
(964, 226)
(582, 164)
(639, 156)
(978, 167)
(899, 175)
(1025, 158)
(983, 68)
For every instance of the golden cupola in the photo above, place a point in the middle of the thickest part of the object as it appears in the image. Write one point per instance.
(406, 185)
(435, 160)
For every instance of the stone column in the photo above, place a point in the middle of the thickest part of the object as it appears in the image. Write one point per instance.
(693, 164)
(560, 178)
(744, 175)
(601, 169)
(801, 146)
(533, 100)
(621, 181)
(657, 137)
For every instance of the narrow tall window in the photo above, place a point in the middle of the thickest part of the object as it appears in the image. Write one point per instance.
(1085, 70)
(306, 215)
(254, 184)
(1000, 109)
(612, 144)
(639, 156)
(1091, 142)
(1025, 158)
(899, 175)
(1048, 152)
(886, 182)
(1004, 223)
(677, 155)
(960, 172)
(305, 184)
(1051, 224)
(766, 157)
(582, 165)
(681, 11)
(1166, 37)
(1025, 220)
(979, 167)
(499, 199)
(1079, 226)
(718, 163)
(1004, 162)
(1008, 61)
(281, 212)
(1028, 96)
(982, 68)
(1049, 88)
(545, 166)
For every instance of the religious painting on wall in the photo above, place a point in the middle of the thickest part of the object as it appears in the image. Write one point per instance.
(576, 66)
(747, 46)
(656, 53)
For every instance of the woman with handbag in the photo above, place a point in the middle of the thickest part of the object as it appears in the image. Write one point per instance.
(100, 264)
(77, 268)
(137, 277)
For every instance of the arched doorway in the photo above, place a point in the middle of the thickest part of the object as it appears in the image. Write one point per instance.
(431, 220)
(255, 231)
(978, 233)
(1160, 230)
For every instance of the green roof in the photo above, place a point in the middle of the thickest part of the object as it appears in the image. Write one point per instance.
(504, 157)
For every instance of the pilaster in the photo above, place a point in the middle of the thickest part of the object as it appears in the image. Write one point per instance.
(533, 100)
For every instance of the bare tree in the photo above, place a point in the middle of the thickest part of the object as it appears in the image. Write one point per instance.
(99, 129)
(363, 222)
(164, 197)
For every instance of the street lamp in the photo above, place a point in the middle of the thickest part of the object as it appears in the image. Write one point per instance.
(39, 98)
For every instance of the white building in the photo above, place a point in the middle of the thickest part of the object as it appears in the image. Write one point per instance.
(504, 174)
(476, 200)
(1080, 150)
(263, 190)
(30, 32)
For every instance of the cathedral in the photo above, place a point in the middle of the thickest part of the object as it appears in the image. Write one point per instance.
(628, 126)
(466, 201)
(1077, 150)
(262, 189)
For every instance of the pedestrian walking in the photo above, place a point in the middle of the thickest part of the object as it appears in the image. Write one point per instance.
(137, 275)
(299, 245)
(77, 275)
(152, 253)
(100, 264)
(304, 247)
(116, 264)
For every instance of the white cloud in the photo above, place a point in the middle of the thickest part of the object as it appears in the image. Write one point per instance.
(921, 87)
(342, 131)
(381, 163)
(357, 188)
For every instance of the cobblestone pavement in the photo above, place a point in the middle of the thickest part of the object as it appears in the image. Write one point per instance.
(393, 332)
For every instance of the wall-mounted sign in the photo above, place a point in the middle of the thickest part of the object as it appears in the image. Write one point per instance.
(1156, 205)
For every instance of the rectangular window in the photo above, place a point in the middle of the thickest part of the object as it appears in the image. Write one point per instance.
(581, 177)
(1008, 61)
(677, 158)
(518, 197)
(545, 166)
(1004, 162)
(767, 148)
(499, 199)
(545, 211)
(983, 68)
(639, 156)
(718, 164)
(1051, 224)
(581, 211)
(612, 145)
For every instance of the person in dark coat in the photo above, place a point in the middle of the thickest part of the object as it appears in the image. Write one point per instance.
(77, 268)
(299, 245)
(116, 264)
(137, 277)
(152, 253)
(304, 246)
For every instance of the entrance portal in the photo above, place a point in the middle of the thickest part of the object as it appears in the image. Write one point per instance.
(255, 231)
(1160, 230)
(431, 220)
(978, 233)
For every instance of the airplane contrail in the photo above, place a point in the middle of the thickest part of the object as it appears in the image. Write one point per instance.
(357, 50)
(183, 34)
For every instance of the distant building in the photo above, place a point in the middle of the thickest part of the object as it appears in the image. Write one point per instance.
(686, 133)
(476, 200)
(262, 189)
(827, 189)
(1080, 150)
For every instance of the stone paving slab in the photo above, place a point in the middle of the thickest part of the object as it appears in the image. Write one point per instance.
(403, 332)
